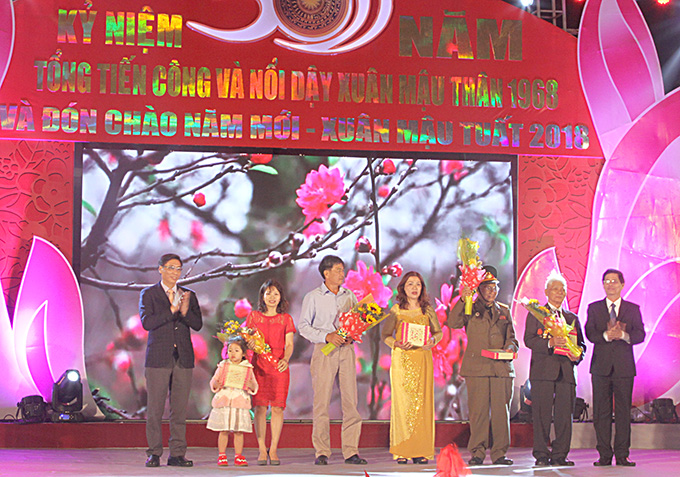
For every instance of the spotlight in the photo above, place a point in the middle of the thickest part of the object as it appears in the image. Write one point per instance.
(67, 397)
(663, 410)
(32, 409)
(580, 410)
(526, 3)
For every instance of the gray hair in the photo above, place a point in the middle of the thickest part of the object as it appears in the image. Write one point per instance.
(555, 276)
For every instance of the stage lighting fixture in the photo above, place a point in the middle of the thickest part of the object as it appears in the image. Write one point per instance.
(526, 3)
(67, 397)
(580, 410)
(32, 409)
(663, 410)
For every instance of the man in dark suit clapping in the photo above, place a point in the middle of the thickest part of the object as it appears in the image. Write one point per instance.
(614, 326)
(168, 312)
(553, 383)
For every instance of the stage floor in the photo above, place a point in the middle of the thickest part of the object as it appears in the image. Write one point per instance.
(130, 462)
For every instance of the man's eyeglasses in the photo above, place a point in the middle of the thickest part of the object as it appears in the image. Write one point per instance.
(609, 282)
(174, 269)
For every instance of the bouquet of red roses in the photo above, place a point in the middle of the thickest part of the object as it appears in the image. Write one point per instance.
(554, 325)
(353, 323)
(471, 268)
(252, 336)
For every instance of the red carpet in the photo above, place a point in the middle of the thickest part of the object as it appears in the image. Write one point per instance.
(296, 434)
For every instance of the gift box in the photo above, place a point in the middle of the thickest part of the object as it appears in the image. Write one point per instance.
(498, 354)
(417, 335)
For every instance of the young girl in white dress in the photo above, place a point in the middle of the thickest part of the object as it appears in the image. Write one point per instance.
(231, 405)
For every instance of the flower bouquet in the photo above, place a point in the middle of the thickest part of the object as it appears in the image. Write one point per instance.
(259, 346)
(471, 268)
(554, 324)
(363, 316)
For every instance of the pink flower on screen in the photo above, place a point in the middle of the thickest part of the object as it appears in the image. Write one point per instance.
(365, 281)
(197, 235)
(383, 191)
(261, 158)
(315, 228)
(446, 303)
(164, 229)
(457, 168)
(200, 347)
(122, 361)
(321, 190)
(242, 307)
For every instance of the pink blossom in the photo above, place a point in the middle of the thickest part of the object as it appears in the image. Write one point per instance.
(363, 245)
(394, 270)
(364, 281)
(385, 361)
(316, 228)
(200, 347)
(133, 336)
(321, 190)
(457, 168)
(197, 236)
(383, 191)
(449, 351)
(164, 229)
(122, 361)
(242, 307)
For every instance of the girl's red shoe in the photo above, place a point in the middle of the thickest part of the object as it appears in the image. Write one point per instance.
(240, 460)
(222, 460)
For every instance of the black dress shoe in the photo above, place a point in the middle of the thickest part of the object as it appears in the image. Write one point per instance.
(602, 463)
(355, 459)
(321, 460)
(153, 461)
(419, 460)
(542, 462)
(562, 462)
(503, 461)
(180, 461)
(476, 461)
(625, 462)
(402, 460)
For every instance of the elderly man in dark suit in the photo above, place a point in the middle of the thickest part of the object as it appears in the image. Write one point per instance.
(168, 312)
(614, 326)
(553, 383)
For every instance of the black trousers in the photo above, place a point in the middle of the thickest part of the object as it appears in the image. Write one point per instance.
(619, 390)
(548, 399)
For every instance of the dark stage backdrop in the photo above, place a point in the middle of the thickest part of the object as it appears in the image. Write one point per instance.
(238, 219)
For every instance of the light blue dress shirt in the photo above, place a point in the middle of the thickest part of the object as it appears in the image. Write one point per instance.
(320, 311)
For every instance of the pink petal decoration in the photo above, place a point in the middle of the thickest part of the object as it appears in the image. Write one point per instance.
(620, 71)
(6, 36)
(531, 284)
(48, 322)
(661, 348)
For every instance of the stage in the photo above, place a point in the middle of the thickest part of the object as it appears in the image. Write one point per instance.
(130, 462)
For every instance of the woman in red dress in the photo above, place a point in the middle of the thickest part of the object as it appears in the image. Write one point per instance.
(278, 328)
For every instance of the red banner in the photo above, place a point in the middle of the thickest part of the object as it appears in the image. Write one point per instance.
(376, 75)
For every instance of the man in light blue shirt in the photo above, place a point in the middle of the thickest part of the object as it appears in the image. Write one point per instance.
(319, 321)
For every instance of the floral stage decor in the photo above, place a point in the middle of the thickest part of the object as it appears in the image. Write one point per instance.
(353, 323)
(554, 324)
(471, 268)
(254, 338)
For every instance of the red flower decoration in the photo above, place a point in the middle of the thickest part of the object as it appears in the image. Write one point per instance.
(321, 190)
(260, 158)
(199, 199)
(388, 166)
(242, 307)
(365, 281)
(383, 191)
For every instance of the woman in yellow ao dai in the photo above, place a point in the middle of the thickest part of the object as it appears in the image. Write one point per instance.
(411, 372)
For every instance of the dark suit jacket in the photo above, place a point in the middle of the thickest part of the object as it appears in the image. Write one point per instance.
(545, 364)
(614, 358)
(482, 332)
(167, 329)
